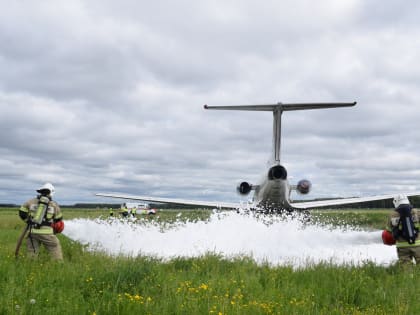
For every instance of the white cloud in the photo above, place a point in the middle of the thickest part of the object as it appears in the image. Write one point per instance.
(102, 95)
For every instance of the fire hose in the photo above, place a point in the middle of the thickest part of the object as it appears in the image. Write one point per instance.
(20, 239)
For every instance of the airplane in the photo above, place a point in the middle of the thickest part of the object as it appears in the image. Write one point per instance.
(273, 193)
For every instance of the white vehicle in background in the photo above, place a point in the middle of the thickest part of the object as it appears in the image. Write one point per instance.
(138, 208)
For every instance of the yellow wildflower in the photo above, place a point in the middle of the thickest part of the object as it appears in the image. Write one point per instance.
(204, 286)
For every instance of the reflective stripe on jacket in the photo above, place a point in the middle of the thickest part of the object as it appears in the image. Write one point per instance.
(43, 230)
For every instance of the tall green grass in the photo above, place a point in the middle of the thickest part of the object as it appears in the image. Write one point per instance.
(368, 219)
(93, 283)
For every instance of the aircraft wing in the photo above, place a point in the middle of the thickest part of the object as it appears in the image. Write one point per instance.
(221, 205)
(345, 201)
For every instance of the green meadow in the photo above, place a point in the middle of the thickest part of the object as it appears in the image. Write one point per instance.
(93, 283)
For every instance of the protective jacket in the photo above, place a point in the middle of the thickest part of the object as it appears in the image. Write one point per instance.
(31, 210)
(394, 223)
(124, 212)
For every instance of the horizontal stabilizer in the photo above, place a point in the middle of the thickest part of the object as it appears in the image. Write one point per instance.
(281, 106)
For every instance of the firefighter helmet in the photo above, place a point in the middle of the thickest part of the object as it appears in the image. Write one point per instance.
(400, 200)
(45, 187)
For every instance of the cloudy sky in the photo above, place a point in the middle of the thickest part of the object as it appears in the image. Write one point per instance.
(107, 96)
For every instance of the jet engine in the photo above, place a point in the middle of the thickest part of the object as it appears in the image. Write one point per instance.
(244, 188)
(277, 172)
(303, 186)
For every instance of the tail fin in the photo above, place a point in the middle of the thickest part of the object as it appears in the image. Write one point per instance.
(277, 110)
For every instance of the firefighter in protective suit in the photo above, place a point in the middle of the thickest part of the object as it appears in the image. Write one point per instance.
(404, 225)
(45, 219)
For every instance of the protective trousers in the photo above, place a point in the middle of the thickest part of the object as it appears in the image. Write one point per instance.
(51, 243)
(406, 254)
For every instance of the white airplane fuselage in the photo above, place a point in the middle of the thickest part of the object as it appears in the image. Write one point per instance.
(272, 194)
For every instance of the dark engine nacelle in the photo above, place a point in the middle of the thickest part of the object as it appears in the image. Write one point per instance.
(304, 186)
(244, 188)
(277, 172)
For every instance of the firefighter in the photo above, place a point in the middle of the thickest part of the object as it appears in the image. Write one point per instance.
(44, 219)
(124, 211)
(404, 225)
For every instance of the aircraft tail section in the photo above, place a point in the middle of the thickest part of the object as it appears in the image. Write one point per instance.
(277, 110)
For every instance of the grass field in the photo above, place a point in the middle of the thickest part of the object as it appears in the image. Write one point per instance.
(92, 283)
